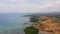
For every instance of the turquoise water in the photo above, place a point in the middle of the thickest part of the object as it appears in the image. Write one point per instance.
(12, 23)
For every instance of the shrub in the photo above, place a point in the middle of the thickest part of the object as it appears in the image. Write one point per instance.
(49, 30)
(30, 30)
(33, 19)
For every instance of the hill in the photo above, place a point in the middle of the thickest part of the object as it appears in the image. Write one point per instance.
(49, 26)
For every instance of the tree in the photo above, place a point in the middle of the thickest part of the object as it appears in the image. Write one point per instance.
(30, 30)
(33, 19)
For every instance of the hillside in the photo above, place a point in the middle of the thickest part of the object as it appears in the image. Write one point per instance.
(49, 26)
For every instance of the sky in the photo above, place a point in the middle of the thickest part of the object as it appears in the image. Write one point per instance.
(29, 6)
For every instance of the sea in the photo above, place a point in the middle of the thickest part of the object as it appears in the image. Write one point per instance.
(13, 23)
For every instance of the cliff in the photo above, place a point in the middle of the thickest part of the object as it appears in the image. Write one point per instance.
(49, 26)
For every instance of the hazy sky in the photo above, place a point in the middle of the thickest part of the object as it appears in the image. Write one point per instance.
(29, 6)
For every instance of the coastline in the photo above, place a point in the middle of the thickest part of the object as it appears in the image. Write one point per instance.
(48, 25)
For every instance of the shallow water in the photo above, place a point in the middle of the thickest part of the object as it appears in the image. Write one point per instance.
(12, 23)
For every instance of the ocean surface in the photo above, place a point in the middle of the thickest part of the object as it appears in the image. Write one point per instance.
(12, 23)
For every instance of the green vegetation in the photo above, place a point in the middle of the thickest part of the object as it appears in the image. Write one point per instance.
(57, 19)
(34, 19)
(49, 30)
(42, 19)
(30, 30)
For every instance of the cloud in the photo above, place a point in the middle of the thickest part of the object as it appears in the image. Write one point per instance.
(29, 6)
